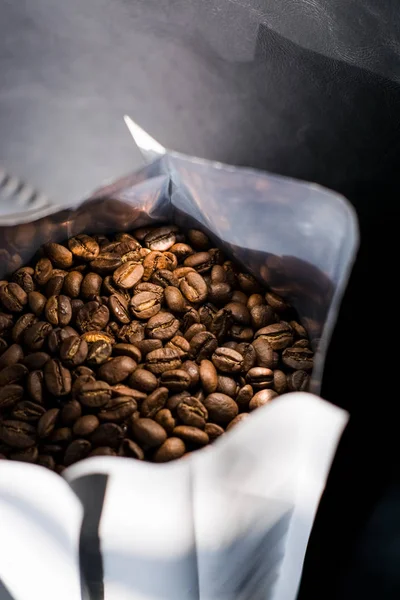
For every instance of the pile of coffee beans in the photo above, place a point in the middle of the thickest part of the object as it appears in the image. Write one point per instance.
(149, 345)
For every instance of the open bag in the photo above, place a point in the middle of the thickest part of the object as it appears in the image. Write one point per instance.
(231, 521)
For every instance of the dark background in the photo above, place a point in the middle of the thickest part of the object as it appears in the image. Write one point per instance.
(303, 88)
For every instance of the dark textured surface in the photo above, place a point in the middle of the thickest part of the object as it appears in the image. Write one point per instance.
(306, 88)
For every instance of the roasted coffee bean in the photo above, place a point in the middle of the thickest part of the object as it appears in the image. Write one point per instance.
(36, 335)
(23, 277)
(73, 351)
(35, 360)
(154, 402)
(221, 408)
(296, 358)
(13, 374)
(221, 324)
(84, 247)
(10, 395)
(181, 250)
(14, 354)
(117, 369)
(82, 370)
(227, 385)
(198, 239)
(240, 313)
(180, 344)
(102, 451)
(21, 325)
(106, 263)
(127, 350)
(17, 434)
(107, 434)
(143, 380)
(298, 381)
(213, 431)
(13, 297)
(202, 345)
(227, 360)
(236, 420)
(85, 425)
(162, 326)
(264, 353)
(71, 412)
(261, 316)
(119, 308)
(28, 411)
(192, 412)
(43, 271)
(260, 378)
(171, 449)
(248, 284)
(276, 302)
(146, 286)
(249, 355)
(98, 353)
(279, 335)
(6, 322)
(262, 397)
(61, 435)
(47, 461)
(244, 396)
(254, 300)
(146, 346)
(194, 372)
(58, 335)
(76, 305)
(131, 449)
(47, 422)
(77, 450)
(192, 435)
(200, 261)
(164, 278)
(194, 287)
(96, 336)
(174, 299)
(280, 383)
(34, 386)
(128, 274)
(145, 305)
(94, 394)
(148, 433)
(194, 330)
(208, 376)
(176, 380)
(55, 285)
(132, 333)
(164, 418)
(72, 284)
(59, 255)
(161, 238)
(30, 455)
(118, 409)
(57, 378)
(92, 317)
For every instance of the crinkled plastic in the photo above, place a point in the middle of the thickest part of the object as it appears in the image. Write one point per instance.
(231, 521)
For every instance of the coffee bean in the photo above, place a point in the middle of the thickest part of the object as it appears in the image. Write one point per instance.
(77, 450)
(213, 431)
(72, 284)
(35, 360)
(194, 372)
(194, 330)
(162, 326)
(36, 335)
(10, 395)
(91, 285)
(192, 435)
(102, 451)
(59, 255)
(34, 386)
(57, 378)
(13, 374)
(255, 300)
(296, 358)
(84, 247)
(192, 412)
(227, 385)
(236, 420)
(249, 355)
(146, 346)
(280, 383)
(248, 284)
(264, 353)
(28, 411)
(244, 396)
(227, 360)
(148, 433)
(58, 335)
(128, 274)
(158, 260)
(43, 271)
(276, 302)
(193, 286)
(117, 369)
(132, 333)
(106, 263)
(131, 449)
(171, 449)
(221, 408)
(107, 434)
(262, 397)
(85, 425)
(298, 381)
(17, 434)
(198, 239)
(164, 278)
(164, 359)
(202, 345)
(98, 353)
(143, 380)
(71, 412)
(118, 409)
(92, 317)
(94, 394)
(73, 351)
(279, 335)
(208, 376)
(47, 422)
(161, 239)
(260, 378)
(154, 402)
(95, 336)
(261, 316)
(47, 461)
(13, 297)
(30, 455)
(21, 325)
(239, 312)
(176, 380)
(55, 285)
(221, 324)
(14, 354)
(119, 307)
(181, 250)
(164, 418)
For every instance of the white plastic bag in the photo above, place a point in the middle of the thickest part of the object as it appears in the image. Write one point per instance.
(232, 521)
